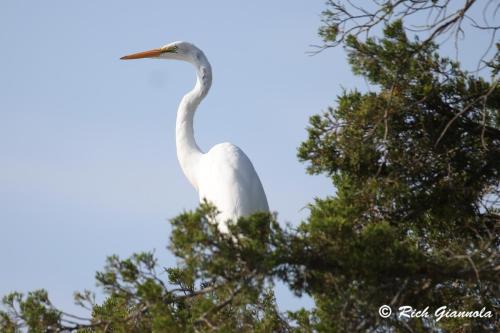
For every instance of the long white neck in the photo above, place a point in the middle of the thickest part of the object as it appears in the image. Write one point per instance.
(188, 152)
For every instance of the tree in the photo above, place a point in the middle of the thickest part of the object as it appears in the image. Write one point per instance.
(416, 166)
(431, 19)
(414, 220)
(218, 286)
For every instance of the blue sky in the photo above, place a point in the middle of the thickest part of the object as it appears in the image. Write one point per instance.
(88, 165)
(87, 152)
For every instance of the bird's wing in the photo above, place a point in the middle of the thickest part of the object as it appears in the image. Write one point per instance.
(230, 181)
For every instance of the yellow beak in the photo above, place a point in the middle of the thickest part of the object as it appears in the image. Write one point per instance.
(146, 54)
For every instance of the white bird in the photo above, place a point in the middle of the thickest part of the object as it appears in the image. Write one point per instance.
(224, 175)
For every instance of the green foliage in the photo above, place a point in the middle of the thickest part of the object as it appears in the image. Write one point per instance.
(416, 166)
(219, 285)
(35, 310)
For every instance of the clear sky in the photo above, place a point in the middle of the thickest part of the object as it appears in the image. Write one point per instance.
(87, 154)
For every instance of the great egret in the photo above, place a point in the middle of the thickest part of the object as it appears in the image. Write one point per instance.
(224, 176)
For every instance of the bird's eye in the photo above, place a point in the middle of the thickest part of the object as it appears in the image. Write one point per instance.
(170, 49)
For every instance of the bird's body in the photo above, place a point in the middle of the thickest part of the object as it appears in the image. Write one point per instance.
(229, 180)
(224, 176)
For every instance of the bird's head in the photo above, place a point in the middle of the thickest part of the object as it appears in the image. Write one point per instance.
(176, 50)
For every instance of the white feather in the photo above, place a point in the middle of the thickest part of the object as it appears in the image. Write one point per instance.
(224, 176)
